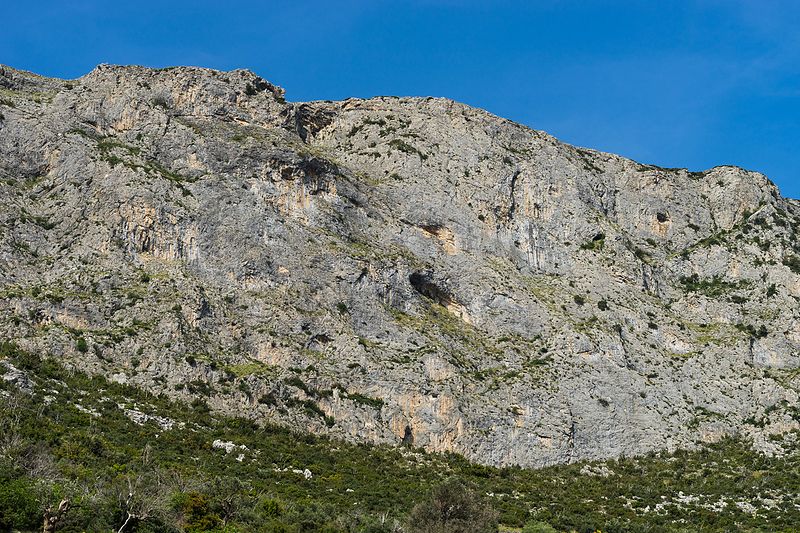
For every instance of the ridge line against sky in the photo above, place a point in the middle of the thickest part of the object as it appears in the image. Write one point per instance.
(691, 84)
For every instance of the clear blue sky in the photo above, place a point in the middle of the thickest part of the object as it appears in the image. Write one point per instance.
(679, 84)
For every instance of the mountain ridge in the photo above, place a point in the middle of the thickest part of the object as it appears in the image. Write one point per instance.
(252, 74)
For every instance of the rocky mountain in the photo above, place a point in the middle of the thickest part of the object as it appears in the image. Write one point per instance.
(392, 270)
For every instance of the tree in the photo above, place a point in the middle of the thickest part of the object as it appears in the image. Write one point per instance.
(53, 515)
(453, 507)
(197, 513)
(142, 495)
(231, 497)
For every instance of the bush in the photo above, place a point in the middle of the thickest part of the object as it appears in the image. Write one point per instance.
(538, 527)
(81, 345)
(712, 287)
(375, 403)
(200, 406)
(9, 349)
(197, 513)
(403, 146)
(752, 331)
(772, 290)
(269, 508)
(19, 508)
(793, 262)
(453, 507)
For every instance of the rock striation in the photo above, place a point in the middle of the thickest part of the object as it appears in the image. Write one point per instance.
(394, 270)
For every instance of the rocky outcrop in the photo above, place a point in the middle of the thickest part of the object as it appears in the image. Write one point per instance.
(397, 270)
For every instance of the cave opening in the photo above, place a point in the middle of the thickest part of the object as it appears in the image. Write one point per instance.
(422, 283)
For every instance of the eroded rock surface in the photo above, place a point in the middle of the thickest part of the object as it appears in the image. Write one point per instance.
(396, 270)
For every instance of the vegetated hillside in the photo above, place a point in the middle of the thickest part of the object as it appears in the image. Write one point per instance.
(127, 460)
(393, 270)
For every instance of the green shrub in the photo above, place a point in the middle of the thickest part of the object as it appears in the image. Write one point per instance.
(375, 403)
(793, 262)
(772, 290)
(752, 331)
(81, 345)
(9, 349)
(711, 287)
(198, 386)
(538, 527)
(200, 406)
(295, 381)
(269, 508)
(453, 507)
(197, 514)
(403, 146)
(19, 505)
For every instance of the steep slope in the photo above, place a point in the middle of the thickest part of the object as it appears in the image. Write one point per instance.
(92, 441)
(397, 270)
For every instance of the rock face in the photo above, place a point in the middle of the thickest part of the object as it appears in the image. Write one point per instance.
(395, 270)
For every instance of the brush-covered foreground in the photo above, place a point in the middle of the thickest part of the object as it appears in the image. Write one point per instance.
(129, 461)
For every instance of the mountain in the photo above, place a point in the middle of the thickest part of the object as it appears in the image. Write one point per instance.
(392, 270)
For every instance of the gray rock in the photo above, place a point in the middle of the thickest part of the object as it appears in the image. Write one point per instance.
(394, 270)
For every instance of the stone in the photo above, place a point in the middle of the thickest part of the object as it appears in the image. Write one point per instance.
(409, 271)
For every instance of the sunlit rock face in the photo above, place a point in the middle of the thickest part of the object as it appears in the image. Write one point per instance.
(394, 270)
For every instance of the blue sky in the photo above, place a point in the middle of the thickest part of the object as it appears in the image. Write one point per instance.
(679, 84)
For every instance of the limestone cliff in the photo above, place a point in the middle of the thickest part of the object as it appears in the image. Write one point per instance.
(396, 270)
